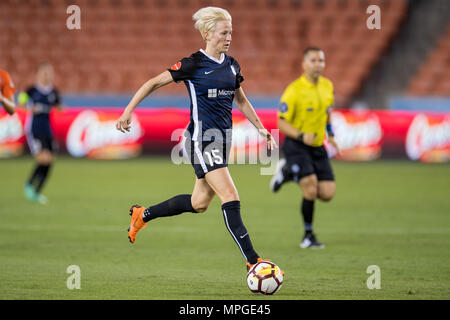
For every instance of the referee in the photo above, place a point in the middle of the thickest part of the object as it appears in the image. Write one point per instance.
(304, 118)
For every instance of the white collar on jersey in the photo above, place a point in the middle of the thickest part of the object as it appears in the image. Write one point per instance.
(222, 56)
(44, 89)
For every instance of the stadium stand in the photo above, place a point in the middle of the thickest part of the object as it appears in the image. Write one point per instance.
(390, 79)
(433, 76)
(122, 43)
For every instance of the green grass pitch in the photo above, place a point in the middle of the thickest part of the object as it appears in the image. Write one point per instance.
(392, 214)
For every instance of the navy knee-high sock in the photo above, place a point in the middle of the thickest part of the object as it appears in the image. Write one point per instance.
(171, 207)
(232, 216)
(36, 173)
(42, 177)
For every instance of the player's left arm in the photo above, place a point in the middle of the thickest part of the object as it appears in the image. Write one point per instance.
(247, 110)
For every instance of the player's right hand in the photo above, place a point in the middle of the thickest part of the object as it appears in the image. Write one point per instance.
(271, 144)
(123, 123)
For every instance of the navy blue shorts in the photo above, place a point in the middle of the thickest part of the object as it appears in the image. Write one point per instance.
(40, 141)
(207, 156)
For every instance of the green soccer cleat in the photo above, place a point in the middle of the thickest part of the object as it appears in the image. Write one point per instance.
(33, 196)
(29, 191)
(40, 198)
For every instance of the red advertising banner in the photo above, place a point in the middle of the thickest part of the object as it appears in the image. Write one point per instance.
(361, 135)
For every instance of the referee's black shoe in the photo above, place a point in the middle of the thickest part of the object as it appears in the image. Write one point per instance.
(278, 178)
(310, 241)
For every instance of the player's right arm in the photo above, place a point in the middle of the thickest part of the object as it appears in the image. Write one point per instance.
(123, 123)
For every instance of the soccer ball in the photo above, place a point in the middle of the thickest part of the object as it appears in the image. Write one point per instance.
(264, 277)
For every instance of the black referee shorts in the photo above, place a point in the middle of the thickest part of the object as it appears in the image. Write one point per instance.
(303, 160)
(207, 156)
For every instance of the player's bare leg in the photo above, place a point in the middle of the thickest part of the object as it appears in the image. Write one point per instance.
(221, 182)
(202, 195)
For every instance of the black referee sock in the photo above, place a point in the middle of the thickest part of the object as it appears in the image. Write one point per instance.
(171, 207)
(42, 177)
(307, 212)
(232, 216)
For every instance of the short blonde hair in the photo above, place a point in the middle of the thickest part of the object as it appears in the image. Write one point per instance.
(206, 19)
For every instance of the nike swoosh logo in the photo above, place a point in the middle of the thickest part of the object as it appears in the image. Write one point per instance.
(208, 72)
(243, 235)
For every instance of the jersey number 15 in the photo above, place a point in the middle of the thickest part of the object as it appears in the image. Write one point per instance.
(215, 158)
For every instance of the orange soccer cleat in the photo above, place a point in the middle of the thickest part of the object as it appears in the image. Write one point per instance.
(136, 223)
(249, 265)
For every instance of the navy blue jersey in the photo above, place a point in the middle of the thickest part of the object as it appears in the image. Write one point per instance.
(211, 84)
(42, 100)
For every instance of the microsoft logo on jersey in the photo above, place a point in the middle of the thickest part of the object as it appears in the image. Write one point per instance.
(213, 93)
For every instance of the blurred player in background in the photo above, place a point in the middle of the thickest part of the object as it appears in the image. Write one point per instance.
(39, 100)
(7, 91)
(213, 80)
(304, 118)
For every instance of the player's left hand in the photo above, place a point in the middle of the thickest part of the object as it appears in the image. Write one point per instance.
(271, 144)
(334, 144)
(123, 123)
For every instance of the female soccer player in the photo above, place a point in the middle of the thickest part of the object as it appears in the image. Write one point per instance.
(303, 117)
(39, 99)
(213, 80)
(7, 92)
